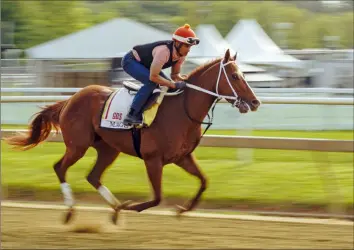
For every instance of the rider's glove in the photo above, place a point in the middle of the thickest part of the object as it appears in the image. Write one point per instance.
(180, 85)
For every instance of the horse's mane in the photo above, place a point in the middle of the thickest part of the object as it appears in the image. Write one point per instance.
(201, 68)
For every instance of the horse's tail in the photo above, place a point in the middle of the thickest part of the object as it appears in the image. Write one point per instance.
(39, 128)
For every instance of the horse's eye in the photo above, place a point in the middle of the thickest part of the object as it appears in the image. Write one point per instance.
(235, 76)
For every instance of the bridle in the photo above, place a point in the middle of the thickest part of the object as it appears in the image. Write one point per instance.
(237, 100)
(235, 97)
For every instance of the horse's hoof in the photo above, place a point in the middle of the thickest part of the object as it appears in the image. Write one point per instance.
(120, 207)
(68, 215)
(115, 217)
(180, 210)
(116, 214)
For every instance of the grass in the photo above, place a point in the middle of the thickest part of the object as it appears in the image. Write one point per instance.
(274, 176)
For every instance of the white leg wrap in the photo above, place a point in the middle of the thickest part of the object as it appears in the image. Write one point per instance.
(108, 196)
(68, 195)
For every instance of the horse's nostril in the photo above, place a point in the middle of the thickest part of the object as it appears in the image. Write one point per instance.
(255, 103)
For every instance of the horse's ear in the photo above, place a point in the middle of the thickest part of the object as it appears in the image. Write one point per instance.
(227, 56)
(235, 56)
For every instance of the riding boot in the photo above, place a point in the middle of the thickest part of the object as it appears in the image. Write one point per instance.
(132, 118)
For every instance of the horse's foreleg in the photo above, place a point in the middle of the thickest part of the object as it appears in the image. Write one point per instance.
(154, 170)
(72, 155)
(105, 157)
(189, 164)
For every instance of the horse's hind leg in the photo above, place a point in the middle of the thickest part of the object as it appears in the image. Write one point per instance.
(189, 164)
(105, 157)
(72, 155)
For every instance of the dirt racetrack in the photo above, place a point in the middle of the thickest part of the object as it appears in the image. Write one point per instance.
(28, 228)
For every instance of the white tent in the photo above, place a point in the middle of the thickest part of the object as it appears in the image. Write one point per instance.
(252, 73)
(110, 39)
(211, 45)
(243, 67)
(255, 47)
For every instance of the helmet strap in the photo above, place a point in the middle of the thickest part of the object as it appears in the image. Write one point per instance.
(178, 48)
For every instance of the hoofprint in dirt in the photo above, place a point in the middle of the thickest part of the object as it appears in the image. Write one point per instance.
(41, 228)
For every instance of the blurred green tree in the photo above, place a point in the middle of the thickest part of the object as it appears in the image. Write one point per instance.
(40, 21)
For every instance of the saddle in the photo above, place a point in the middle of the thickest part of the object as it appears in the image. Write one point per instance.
(133, 88)
(117, 105)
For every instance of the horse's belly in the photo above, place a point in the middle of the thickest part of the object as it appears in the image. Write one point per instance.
(180, 150)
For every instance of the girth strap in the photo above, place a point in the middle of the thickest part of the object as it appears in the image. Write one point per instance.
(136, 135)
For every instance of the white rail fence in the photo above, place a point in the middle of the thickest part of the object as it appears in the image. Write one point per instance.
(232, 141)
(348, 91)
(265, 99)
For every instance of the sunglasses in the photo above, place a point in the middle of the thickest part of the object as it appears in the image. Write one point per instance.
(187, 40)
(192, 40)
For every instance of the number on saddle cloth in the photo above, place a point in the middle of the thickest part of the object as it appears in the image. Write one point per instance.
(118, 105)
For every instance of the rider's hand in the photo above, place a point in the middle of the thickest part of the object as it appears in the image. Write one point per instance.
(180, 85)
(184, 77)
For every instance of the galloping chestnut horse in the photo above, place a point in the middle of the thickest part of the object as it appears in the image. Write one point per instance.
(171, 138)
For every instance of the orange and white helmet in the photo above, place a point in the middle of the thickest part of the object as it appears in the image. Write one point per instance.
(185, 35)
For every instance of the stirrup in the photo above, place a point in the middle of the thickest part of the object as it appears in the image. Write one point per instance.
(132, 120)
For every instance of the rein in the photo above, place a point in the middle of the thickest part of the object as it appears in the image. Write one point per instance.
(210, 122)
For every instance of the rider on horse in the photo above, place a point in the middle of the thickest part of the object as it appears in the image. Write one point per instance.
(145, 62)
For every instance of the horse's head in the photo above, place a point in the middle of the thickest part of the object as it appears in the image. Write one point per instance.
(231, 82)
